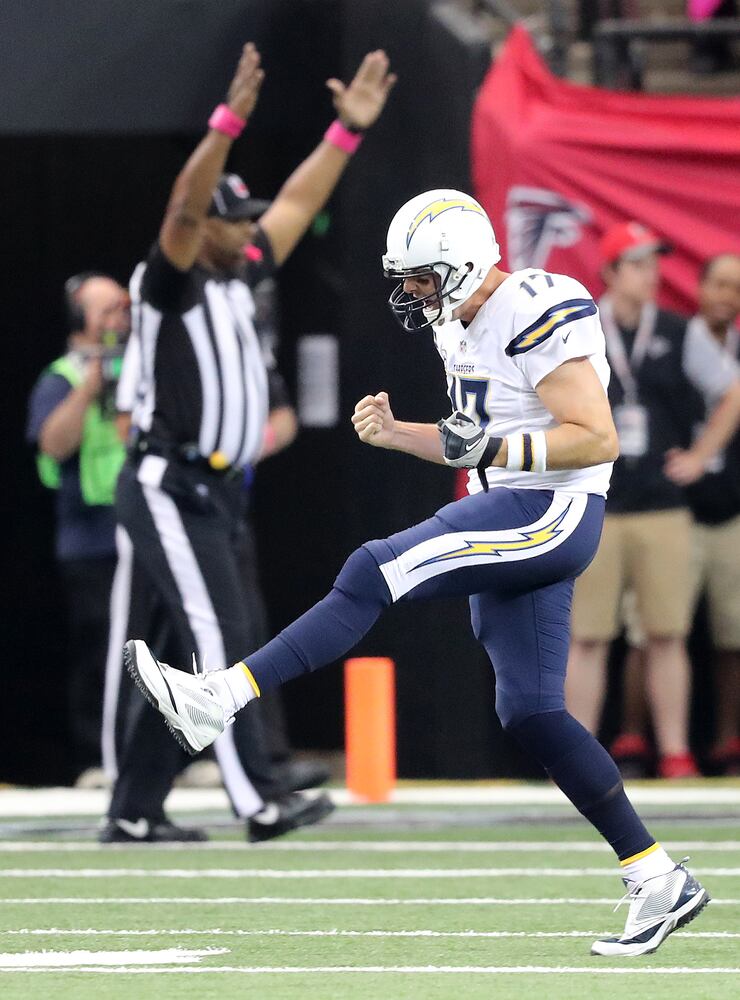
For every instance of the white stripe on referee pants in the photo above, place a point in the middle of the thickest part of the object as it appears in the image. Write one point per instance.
(120, 604)
(199, 609)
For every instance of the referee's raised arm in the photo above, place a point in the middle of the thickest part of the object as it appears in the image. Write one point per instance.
(308, 188)
(182, 229)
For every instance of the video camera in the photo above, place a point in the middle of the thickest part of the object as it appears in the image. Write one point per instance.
(110, 353)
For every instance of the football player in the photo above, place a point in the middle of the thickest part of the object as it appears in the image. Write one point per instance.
(527, 374)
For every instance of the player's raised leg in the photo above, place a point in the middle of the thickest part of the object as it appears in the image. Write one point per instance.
(522, 539)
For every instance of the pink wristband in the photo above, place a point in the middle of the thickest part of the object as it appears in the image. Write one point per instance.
(225, 121)
(342, 138)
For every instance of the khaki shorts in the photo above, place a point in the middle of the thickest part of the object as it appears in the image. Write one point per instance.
(650, 552)
(716, 568)
(633, 631)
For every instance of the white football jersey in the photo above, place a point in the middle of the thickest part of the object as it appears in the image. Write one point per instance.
(532, 323)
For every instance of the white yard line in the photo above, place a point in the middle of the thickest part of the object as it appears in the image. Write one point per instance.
(235, 874)
(48, 802)
(648, 793)
(32, 960)
(594, 970)
(333, 933)
(361, 846)
(321, 901)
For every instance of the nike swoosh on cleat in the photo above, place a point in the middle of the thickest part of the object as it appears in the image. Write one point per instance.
(139, 829)
(169, 689)
(267, 816)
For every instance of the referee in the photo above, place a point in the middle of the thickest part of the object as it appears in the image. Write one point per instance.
(200, 413)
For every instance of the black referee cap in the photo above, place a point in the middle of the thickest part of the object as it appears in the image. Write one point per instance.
(232, 201)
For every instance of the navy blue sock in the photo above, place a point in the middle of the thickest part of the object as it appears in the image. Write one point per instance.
(584, 771)
(329, 629)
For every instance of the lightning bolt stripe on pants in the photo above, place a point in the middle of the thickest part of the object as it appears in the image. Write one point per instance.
(456, 550)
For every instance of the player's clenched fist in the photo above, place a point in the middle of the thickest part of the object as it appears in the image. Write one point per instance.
(373, 420)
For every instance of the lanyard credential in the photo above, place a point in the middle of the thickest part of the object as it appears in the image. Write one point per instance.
(625, 367)
(630, 418)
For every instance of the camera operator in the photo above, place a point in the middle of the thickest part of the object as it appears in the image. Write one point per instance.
(71, 420)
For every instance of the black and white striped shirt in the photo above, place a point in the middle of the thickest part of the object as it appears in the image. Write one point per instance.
(193, 371)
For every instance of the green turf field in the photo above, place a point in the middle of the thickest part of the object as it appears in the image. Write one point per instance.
(385, 902)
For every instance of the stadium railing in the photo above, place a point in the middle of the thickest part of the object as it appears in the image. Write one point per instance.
(618, 53)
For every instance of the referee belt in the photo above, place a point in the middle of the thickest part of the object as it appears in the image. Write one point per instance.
(184, 454)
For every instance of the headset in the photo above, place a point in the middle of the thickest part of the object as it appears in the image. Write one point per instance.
(74, 311)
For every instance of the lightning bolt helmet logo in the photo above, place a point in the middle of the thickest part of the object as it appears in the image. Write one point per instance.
(433, 211)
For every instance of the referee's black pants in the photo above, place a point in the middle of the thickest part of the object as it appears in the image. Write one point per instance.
(181, 524)
(87, 586)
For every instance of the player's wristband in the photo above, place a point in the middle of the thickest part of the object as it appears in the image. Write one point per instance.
(526, 452)
(343, 138)
(224, 120)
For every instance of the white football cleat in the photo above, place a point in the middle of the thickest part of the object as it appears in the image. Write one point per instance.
(658, 906)
(191, 707)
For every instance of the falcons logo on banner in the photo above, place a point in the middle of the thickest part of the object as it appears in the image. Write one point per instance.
(538, 220)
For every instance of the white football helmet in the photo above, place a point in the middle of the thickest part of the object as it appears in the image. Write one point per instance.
(445, 233)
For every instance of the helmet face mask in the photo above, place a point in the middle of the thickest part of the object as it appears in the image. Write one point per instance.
(416, 313)
(444, 234)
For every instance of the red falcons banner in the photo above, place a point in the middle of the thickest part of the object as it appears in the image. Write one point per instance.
(555, 164)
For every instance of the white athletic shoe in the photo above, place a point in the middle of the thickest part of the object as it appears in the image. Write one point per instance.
(658, 906)
(191, 708)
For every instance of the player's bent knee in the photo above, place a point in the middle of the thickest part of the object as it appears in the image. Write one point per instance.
(512, 712)
(361, 576)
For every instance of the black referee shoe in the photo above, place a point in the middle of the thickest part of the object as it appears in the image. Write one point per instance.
(287, 813)
(146, 831)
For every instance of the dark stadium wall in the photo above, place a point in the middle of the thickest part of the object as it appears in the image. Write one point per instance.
(81, 66)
